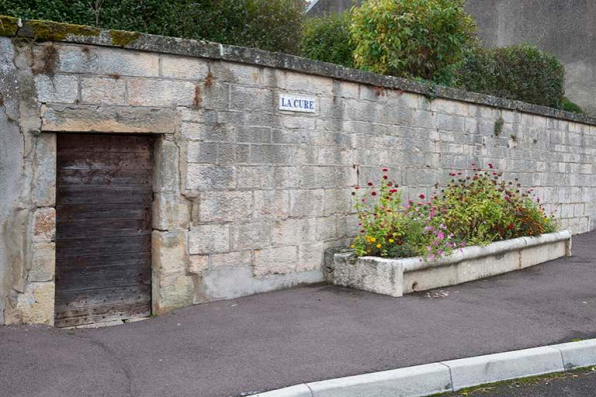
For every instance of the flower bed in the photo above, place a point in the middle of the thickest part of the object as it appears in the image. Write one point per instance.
(478, 226)
(395, 277)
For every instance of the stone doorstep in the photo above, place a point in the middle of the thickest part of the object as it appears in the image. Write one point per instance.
(395, 277)
(451, 376)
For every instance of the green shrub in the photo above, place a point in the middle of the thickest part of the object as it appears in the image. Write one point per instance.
(476, 208)
(521, 73)
(327, 39)
(569, 106)
(266, 24)
(412, 38)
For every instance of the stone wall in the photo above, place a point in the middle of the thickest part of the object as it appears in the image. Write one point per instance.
(248, 197)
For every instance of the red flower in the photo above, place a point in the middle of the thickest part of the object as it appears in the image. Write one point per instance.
(385, 177)
(370, 183)
(356, 187)
(491, 166)
(374, 193)
(389, 184)
(422, 197)
(385, 169)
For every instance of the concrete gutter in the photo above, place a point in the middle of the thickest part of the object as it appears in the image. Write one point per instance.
(451, 376)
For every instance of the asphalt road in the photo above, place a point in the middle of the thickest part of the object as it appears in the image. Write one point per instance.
(305, 334)
(577, 384)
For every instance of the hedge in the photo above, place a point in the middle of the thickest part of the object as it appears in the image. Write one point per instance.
(267, 24)
(327, 39)
(521, 73)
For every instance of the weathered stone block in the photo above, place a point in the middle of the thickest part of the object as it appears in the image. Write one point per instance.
(209, 132)
(198, 264)
(34, 306)
(208, 177)
(43, 190)
(326, 228)
(250, 98)
(184, 68)
(286, 177)
(281, 260)
(171, 291)
(88, 118)
(254, 134)
(272, 203)
(207, 239)
(106, 61)
(170, 212)
(231, 259)
(201, 152)
(293, 231)
(169, 251)
(166, 175)
(273, 154)
(225, 206)
(231, 153)
(163, 93)
(337, 201)
(306, 202)
(44, 225)
(302, 82)
(310, 257)
(236, 73)
(57, 89)
(255, 177)
(255, 235)
(43, 264)
(103, 90)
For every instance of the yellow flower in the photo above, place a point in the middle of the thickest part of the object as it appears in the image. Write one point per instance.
(379, 245)
(372, 239)
(391, 240)
(352, 246)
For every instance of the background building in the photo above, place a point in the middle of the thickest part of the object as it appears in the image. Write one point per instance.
(566, 28)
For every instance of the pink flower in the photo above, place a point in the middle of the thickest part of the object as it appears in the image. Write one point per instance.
(422, 197)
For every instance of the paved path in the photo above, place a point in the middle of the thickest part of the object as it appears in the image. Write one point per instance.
(304, 334)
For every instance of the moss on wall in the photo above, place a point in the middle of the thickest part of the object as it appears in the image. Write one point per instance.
(53, 31)
(8, 26)
(122, 38)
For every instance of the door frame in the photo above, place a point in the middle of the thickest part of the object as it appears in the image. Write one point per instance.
(42, 248)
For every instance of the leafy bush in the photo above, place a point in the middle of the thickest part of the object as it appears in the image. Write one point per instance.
(412, 38)
(521, 73)
(327, 39)
(473, 209)
(569, 106)
(266, 24)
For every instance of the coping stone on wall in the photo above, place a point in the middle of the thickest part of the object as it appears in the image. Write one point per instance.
(253, 56)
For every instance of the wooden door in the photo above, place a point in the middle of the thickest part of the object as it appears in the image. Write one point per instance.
(103, 228)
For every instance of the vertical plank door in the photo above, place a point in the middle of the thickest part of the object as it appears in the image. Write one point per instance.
(103, 228)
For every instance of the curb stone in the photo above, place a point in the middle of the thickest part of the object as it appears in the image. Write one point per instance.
(453, 375)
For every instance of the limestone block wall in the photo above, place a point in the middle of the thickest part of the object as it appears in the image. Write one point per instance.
(248, 197)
